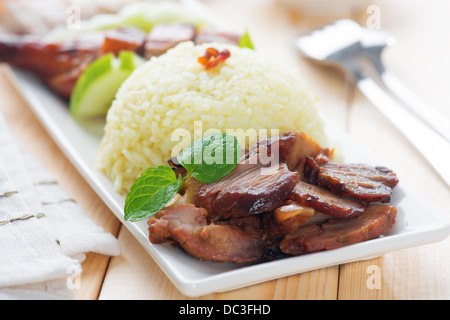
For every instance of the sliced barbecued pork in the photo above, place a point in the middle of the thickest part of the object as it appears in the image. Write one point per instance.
(251, 225)
(325, 201)
(164, 36)
(251, 188)
(125, 38)
(48, 59)
(291, 148)
(186, 226)
(64, 83)
(376, 220)
(60, 64)
(177, 168)
(358, 181)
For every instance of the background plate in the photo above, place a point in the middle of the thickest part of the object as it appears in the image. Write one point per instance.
(417, 223)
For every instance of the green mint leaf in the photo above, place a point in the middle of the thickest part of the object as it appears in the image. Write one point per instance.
(150, 193)
(211, 157)
(245, 41)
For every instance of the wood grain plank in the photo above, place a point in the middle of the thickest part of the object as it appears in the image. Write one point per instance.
(91, 278)
(315, 285)
(410, 274)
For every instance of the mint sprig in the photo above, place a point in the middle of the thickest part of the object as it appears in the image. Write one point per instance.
(210, 158)
(207, 159)
(151, 192)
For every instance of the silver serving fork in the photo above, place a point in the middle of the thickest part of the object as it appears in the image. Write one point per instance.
(339, 45)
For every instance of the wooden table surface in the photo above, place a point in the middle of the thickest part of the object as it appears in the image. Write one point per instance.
(420, 60)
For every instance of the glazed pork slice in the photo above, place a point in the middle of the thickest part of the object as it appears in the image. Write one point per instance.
(358, 181)
(250, 225)
(186, 226)
(376, 221)
(63, 84)
(126, 38)
(164, 36)
(251, 188)
(176, 167)
(47, 59)
(325, 201)
(290, 148)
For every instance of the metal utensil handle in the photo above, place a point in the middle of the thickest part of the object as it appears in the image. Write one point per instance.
(436, 120)
(433, 147)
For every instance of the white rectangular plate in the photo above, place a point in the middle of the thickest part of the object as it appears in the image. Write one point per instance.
(417, 223)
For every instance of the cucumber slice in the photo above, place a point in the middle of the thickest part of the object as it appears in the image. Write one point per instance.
(98, 84)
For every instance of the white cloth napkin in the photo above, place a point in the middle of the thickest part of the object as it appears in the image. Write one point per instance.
(44, 234)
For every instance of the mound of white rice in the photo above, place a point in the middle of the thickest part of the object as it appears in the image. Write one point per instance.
(174, 95)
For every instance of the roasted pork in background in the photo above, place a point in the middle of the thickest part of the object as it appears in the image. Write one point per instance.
(60, 64)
